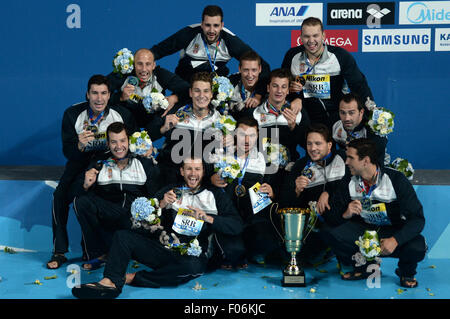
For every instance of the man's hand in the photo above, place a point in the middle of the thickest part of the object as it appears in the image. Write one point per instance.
(253, 102)
(173, 99)
(128, 90)
(290, 117)
(89, 178)
(168, 199)
(164, 238)
(149, 153)
(295, 87)
(300, 183)
(84, 138)
(296, 105)
(388, 245)
(170, 122)
(266, 188)
(354, 208)
(322, 203)
(218, 181)
(200, 214)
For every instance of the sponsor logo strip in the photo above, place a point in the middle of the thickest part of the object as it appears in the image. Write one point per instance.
(347, 39)
(424, 12)
(361, 13)
(442, 39)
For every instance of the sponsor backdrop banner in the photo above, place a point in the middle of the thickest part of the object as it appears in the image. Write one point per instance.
(51, 48)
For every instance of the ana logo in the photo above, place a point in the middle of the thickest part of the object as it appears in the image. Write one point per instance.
(286, 14)
(426, 12)
(288, 11)
(347, 39)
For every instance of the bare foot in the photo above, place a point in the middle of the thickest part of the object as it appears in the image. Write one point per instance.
(129, 278)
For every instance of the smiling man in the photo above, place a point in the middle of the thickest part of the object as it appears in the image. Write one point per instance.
(83, 136)
(353, 125)
(189, 130)
(151, 78)
(314, 178)
(205, 47)
(276, 116)
(189, 211)
(380, 199)
(111, 183)
(326, 71)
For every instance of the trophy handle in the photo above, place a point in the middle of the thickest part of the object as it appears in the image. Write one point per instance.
(282, 221)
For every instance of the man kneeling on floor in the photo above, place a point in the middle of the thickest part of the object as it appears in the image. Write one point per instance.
(376, 199)
(178, 250)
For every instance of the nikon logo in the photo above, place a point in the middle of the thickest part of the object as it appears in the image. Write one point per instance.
(346, 14)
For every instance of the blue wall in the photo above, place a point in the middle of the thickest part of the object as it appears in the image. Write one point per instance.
(45, 65)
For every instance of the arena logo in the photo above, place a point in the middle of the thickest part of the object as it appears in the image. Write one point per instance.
(73, 21)
(396, 40)
(347, 39)
(372, 14)
(442, 39)
(285, 14)
(424, 12)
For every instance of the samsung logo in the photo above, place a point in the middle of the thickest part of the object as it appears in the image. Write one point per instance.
(396, 40)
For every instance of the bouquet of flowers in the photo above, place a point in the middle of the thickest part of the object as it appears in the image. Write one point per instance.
(402, 165)
(192, 248)
(140, 143)
(381, 120)
(313, 216)
(277, 154)
(223, 92)
(225, 123)
(155, 101)
(145, 212)
(228, 168)
(123, 62)
(369, 248)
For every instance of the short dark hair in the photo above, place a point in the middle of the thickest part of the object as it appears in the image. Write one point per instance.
(365, 147)
(280, 73)
(116, 127)
(321, 129)
(212, 11)
(98, 79)
(312, 21)
(202, 76)
(249, 121)
(349, 97)
(250, 56)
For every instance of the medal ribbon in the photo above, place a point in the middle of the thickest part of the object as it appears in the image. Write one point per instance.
(243, 95)
(211, 63)
(243, 172)
(98, 118)
(363, 185)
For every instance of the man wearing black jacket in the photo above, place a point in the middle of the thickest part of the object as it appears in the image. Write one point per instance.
(325, 71)
(206, 47)
(314, 178)
(353, 124)
(152, 78)
(109, 190)
(83, 135)
(207, 211)
(380, 199)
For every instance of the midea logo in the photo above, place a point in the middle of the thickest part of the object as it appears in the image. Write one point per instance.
(419, 12)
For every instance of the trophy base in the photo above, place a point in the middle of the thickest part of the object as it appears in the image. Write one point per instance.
(297, 280)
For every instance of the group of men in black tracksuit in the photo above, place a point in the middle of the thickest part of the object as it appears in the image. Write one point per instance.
(304, 104)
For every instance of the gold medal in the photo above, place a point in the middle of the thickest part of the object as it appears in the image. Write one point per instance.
(240, 190)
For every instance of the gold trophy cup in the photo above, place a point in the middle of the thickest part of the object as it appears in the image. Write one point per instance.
(294, 221)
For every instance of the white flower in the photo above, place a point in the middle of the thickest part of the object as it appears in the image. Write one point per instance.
(132, 148)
